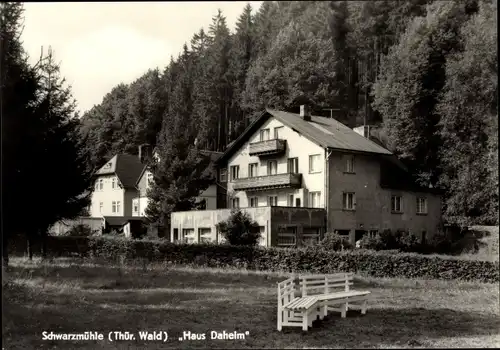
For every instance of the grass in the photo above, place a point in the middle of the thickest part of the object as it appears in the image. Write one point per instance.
(68, 296)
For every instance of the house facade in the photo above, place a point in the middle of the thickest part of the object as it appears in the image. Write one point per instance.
(291, 161)
(145, 181)
(115, 186)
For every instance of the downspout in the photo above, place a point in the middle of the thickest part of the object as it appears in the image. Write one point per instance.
(327, 194)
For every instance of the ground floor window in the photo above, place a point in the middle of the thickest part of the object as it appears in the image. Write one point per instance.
(262, 237)
(188, 235)
(204, 235)
(311, 236)
(287, 236)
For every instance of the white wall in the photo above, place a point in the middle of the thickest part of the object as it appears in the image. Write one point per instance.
(142, 205)
(297, 146)
(210, 195)
(107, 195)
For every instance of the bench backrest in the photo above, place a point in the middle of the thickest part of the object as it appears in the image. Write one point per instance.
(322, 284)
(286, 291)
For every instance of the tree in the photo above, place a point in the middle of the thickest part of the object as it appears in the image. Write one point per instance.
(18, 97)
(240, 229)
(59, 150)
(469, 123)
(411, 79)
(180, 174)
(42, 143)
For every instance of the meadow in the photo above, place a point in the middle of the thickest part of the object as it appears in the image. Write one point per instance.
(69, 295)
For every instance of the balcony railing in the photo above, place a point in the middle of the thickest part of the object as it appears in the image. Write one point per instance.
(268, 147)
(261, 183)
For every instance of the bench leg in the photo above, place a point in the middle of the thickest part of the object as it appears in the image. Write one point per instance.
(305, 321)
(343, 313)
(280, 320)
(363, 308)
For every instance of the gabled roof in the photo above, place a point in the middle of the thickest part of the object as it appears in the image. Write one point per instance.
(126, 167)
(325, 132)
(211, 170)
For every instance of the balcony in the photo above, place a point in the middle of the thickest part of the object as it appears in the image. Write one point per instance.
(262, 183)
(268, 147)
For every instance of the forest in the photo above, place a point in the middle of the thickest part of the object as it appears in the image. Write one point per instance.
(422, 72)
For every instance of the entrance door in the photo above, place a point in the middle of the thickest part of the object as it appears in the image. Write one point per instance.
(359, 234)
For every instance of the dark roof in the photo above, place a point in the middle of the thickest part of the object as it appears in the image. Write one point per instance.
(121, 220)
(128, 169)
(212, 169)
(325, 132)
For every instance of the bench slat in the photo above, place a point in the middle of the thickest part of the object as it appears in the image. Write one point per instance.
(341, 295)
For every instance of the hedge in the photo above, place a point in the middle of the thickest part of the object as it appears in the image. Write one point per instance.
(310, 259)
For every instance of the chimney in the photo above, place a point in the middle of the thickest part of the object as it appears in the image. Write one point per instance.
(144, 153)
(305, 113)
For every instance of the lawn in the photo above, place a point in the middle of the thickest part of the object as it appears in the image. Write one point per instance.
(69, 296)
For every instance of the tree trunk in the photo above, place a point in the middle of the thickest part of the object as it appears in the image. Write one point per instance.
(30, 246)
(5, 250)
(44, 244)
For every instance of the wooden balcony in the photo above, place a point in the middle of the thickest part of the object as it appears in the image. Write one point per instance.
(268, 147)
(262, 183)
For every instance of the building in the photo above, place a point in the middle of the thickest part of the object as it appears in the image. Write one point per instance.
(115, 188)
(208, 198)
(303, 164)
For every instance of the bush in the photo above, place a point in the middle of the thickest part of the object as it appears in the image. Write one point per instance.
(240, 229)
(311, 259)
(335, 242)
(81, 230)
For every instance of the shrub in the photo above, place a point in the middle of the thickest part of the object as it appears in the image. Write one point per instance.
(374, 243)
(311, 259)
(240, 229)
(335, 242)
(81, 230)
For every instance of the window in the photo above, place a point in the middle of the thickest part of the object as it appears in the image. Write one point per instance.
(176, 234)
(373, 233)
(349, 164)
(235, 203)
(223, 175)
(113, 183)
(397, 204)
(421, 205)
(348, 200)
(254, 202)
(314, 199)
(136, 206)
(272, 167)
(235, 172)
(290, 200)
(204, 235)
(101, 205)
(188, 235)
(115, 206)
(264, 134)
(99, 185)
(96, 185)
(287, 236)
(310, 236)
(150, 179)
(297, 202)
(278, 132)
(424, 237)
(253, 170)
(314, 163)
(272, 201)
(293, 165)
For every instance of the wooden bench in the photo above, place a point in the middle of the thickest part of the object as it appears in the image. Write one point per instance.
(295, 311)
(333, 293)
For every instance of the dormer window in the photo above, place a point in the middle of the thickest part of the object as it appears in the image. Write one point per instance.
(107, 166)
